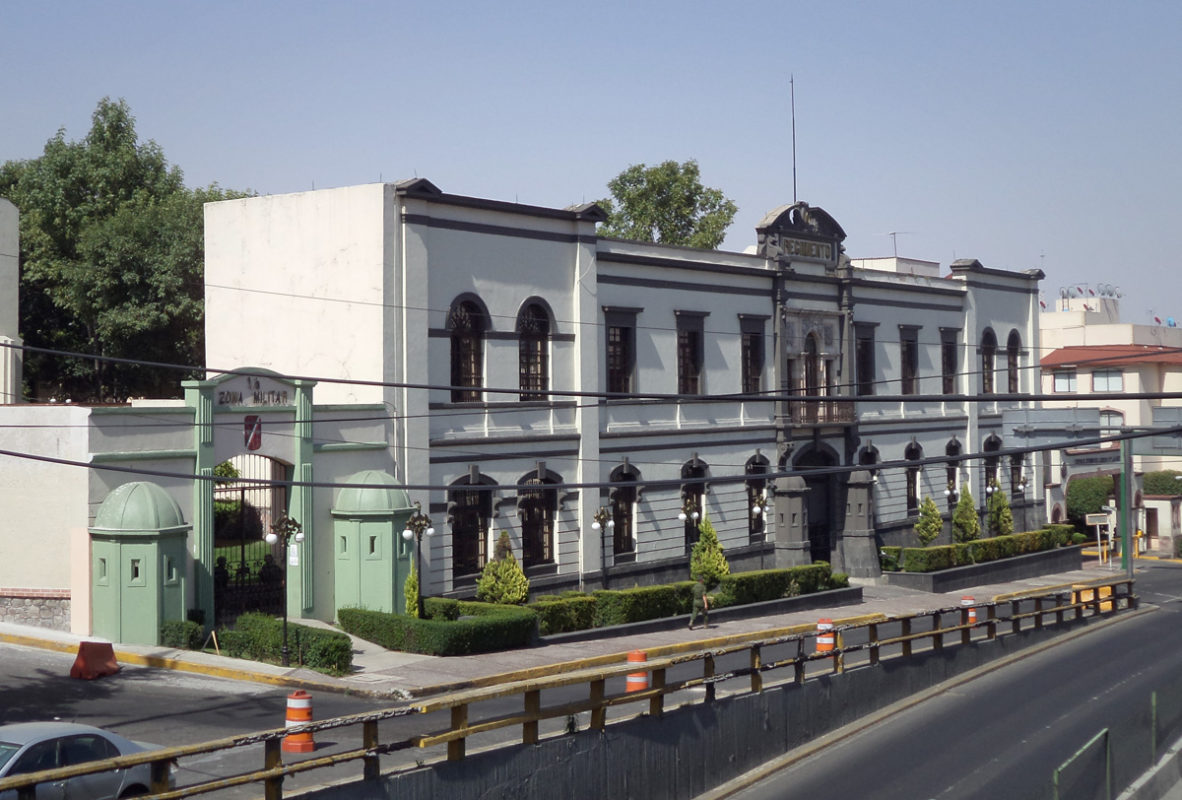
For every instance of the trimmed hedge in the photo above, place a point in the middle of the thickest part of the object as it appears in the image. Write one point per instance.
(759, 586)
(185, 635)
(621, 606)
(478, 628)
(563, 614)
(932, 559)
(260, 638)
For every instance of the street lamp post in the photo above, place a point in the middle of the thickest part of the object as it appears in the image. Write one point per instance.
(418, 524)
(285, 529)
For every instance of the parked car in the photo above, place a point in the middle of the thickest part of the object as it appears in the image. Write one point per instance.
(35, 746)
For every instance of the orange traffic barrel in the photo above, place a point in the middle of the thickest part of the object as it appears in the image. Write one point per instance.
(968, 600)
(299, 712)
(825, 635)
(637, 681)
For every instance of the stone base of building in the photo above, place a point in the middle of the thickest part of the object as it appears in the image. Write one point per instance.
(39, 608)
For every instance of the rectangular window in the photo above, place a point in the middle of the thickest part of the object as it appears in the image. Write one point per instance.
(1108, 380)
(752, 353)
(1064, 380)
(469, 530)
(948, 360)
(909, 359)
(690, 325)
(621, 349)
(623, 542)
(1111, 422)
(536, 508)
(864, 358)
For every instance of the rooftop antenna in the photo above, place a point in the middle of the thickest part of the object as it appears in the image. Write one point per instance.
(895, 241)
(792, 91)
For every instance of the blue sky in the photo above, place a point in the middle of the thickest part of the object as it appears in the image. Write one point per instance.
(1023, 134)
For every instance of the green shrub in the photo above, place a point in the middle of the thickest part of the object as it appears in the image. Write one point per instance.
(1085, 496)
(965, 525)
(441, 608)
(562, 614)
(621, 606)
(706, 558)
(758, 586)
(1164, 482)
(1080, 538)
(1178, 546)
(888, 558)
(503, 580)
(410, 593)
(260, 638)
(930, 559)
(1000, 516)
(185, 635)
(481, 628)
(930, 524)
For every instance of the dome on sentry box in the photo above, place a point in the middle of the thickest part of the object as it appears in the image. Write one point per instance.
(378, 493)
(139, 506)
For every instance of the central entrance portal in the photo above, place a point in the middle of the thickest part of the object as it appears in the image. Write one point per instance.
(248, 575)
(820, 502)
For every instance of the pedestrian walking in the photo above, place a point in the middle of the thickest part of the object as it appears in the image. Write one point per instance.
(701, 604)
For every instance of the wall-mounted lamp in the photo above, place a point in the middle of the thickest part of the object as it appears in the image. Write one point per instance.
(689, 510)
(761, 504)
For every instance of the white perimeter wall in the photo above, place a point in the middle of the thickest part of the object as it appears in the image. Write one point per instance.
(44, 506)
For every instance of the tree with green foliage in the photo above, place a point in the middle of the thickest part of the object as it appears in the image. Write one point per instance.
(706, 558)
(1087, 495)
(1000, 516)
(965, 525)
(930, 524)
(410, 592)
(666, 204)
(503, 580)
(112, 262)
(1164, 482)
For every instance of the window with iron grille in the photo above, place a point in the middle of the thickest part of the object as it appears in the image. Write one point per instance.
(470, 512)
(948, 359)
(864, 358)
(693, 495)
(620, 358)
(988, 357)
(533, 352)
(752, 355)
(952, 487)
(756, 499)
(623, 503)
(536, 507)
(689, 352)
(913, 453)
(909, 359)
(1013, 353)
(466, 322)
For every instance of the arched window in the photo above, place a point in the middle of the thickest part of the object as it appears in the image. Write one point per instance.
(533, 351)
(693, 495)
(469, 510)
(913, 453)
(1013, 351)
(757, 497)
(468, 324)
(992, 445)
(1017, 480)
(988, 359)
(623, 511)
(952, 490)
(537, 507)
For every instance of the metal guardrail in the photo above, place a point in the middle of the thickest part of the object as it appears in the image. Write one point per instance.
(1025, 612)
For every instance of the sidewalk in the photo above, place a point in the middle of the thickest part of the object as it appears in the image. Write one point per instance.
(399, 676)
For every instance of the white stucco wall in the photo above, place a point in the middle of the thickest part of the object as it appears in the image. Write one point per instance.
(44, 508)
(297, 285)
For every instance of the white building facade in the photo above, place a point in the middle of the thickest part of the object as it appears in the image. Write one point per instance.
(544, 381)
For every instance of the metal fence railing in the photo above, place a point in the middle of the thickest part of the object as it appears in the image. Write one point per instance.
(445, 724)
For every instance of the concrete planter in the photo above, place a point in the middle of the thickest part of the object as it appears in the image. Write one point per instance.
(1031, 565)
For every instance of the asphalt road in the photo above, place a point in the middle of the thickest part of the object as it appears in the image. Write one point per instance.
(1002, 735)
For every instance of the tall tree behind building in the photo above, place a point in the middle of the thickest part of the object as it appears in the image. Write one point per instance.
(112, 262)
(666, 204)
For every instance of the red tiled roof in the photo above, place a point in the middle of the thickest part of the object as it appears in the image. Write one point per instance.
(1105, 355)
